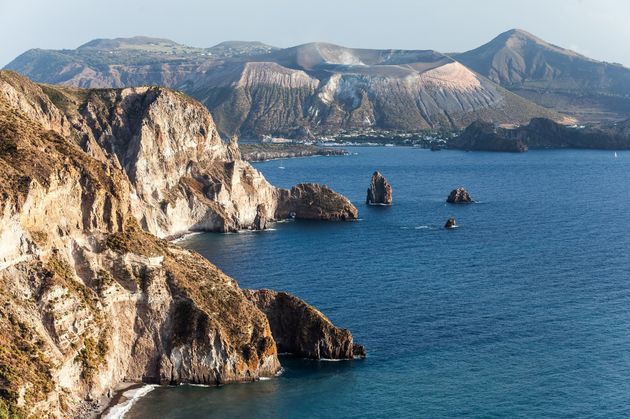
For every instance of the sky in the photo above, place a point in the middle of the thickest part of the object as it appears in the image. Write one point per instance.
(595, 28)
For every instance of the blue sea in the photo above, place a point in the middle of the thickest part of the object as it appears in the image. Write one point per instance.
(522, 311)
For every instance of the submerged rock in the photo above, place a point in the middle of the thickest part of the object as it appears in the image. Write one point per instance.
(302, 330)
(459, 196)
(450, 223)
(380, 191)
(311, 201)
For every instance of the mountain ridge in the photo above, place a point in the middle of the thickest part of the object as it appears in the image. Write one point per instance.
(552, 76)
(320, 88)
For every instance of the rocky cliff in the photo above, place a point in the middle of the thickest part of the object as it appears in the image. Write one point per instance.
(486, 136)
(182, 175)
(90, 296)
(316, 337)
(317, 88)
(265, 151)
(543, 133)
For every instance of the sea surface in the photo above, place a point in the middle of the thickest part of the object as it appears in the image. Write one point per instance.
(522, 311)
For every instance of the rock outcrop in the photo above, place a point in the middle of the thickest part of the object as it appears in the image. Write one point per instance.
(267, 151)
(542, 133)
(486, 136)
(380, 191)
(310, 201)
(450, 223)
(182, 175)
(301, 330)
(459, 196)
(262, 218)
(90, 296)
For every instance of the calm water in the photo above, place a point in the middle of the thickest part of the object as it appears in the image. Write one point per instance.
(522, 311)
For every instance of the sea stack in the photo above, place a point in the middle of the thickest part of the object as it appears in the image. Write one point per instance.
(261, 219)
(380, 191)
(450, 223)
(459, 196)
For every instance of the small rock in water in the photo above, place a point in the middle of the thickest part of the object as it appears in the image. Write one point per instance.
(450, 223)
(459, 196)
(358, 351)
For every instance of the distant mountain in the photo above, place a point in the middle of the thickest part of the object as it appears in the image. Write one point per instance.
(240, 48)
(253, 89)
(552, 76)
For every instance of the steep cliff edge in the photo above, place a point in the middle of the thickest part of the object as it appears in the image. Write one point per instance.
(182, 175)
(301, 330)
(91, 298)
(543, 133)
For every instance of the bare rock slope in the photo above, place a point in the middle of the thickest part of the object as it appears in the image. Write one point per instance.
(90, 295)
(553, 76)
(316, 337)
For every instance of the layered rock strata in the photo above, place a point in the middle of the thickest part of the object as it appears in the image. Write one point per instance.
(301, 330)
(91, 297)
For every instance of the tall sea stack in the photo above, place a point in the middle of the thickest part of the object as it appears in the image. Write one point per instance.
(380, 191)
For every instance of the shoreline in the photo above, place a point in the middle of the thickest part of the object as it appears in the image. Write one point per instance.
(123, 399)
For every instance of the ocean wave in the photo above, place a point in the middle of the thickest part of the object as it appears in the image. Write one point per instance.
(118, 411)
(185, 236)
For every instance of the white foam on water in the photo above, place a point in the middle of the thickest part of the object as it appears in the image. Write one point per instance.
(118, 411)
(185, 236)
(424, 227)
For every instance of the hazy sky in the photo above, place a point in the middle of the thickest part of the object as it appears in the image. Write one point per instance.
(596, 28)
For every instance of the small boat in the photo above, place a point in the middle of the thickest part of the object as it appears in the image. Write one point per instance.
(616, 156)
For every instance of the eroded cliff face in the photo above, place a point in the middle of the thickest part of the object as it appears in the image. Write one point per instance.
(315, 337)
(90, 297)
(182, 176)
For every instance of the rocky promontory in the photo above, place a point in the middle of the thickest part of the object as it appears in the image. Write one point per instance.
(380, 191)
(301, 330)
(486, 136)
(543, 133)
(459, 196)
(91, 295)
(265, 151)
(310, 201)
